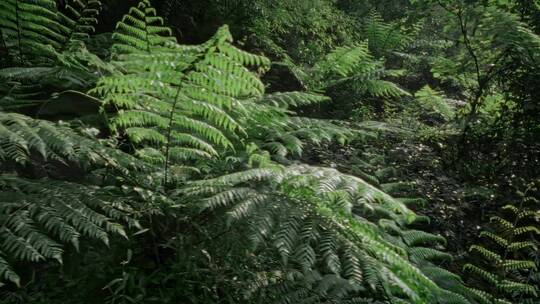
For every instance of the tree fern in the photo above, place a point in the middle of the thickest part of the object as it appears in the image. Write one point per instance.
(31, 28)
(424, 249)
(205, 100)
(22, 136)
(176, 97)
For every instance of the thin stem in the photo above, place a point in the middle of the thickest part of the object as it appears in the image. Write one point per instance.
(4, 51)
(171, 121)
(169, 133)
(147, 35)
(18, 31)
(468, 44)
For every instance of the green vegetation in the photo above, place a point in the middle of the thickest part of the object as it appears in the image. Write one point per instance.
(258, 151)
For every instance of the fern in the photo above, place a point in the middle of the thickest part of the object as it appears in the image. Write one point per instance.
(33, 229)
(356, 66)
(35, 31)
(308, 219)
(30, 142)
(505, 264)
(183, 108)
(21, 136)
(384, 38)
(40, 216)
(48, 48)
(432, 101)
(204, 101)
(272, 124)
(80, 18)
(141, 30)
(31, 28)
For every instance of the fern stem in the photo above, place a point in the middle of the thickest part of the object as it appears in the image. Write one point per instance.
(146, 35)
(169, 127)
(4, 51)
(169, 133)
(18, 32)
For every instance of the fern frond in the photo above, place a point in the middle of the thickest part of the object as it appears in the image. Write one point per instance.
(33, 228)
(288, 100)
(183, 110)
(383, 37)
(141, 30)
(486, 253)
(419, 254)
(81, 17)
(486, 275)
(433, 101)
(36, 32)
(508, 268)
(320, 233)
(419, 237)
(356, 66)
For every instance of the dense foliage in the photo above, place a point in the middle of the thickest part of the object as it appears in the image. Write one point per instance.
(239, 151)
